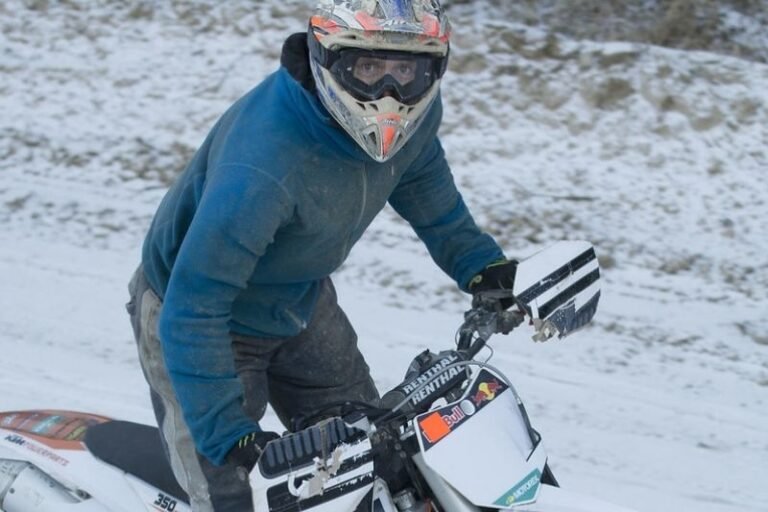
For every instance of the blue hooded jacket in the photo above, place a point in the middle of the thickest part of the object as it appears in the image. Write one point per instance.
(270, 205)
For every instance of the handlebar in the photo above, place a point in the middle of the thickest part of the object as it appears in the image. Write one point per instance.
(486, 318)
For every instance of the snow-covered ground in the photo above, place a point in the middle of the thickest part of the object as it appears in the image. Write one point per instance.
(657, 156)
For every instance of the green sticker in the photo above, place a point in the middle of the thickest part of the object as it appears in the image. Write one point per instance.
(523, 492)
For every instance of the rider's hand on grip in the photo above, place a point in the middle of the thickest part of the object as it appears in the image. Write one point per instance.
(247, 450)
(499, 275)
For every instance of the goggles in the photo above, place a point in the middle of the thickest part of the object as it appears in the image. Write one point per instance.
(369, 75)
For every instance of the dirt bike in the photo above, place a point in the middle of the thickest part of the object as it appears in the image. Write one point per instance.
(454, 436)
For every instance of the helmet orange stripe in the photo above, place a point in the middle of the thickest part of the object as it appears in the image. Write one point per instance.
(387, 138)
(367, 21)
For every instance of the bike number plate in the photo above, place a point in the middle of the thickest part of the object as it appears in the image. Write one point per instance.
(481, 445)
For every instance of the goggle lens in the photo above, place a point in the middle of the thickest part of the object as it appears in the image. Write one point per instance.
(371, 75)
(371, 70)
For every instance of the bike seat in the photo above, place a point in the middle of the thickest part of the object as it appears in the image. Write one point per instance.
(135, 449)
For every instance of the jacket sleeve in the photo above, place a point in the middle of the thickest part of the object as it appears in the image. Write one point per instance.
(238, 214)
(428, 199)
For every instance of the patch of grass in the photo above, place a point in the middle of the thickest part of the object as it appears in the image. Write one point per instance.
(684, 24)
(752, 331)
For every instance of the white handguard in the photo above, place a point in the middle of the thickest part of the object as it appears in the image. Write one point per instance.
(325, 468)
(559, 288)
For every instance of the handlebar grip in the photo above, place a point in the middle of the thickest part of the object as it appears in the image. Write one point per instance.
(391, 399)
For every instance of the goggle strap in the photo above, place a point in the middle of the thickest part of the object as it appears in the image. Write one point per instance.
(326, 58)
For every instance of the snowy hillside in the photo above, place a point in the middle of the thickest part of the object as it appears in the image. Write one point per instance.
(657, 156)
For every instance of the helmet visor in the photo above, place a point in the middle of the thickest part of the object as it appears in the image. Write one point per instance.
(371, 75)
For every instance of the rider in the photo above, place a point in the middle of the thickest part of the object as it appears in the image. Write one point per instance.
(233, 306)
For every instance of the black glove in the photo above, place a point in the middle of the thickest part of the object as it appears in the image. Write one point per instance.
(247, 450)
(499, 275)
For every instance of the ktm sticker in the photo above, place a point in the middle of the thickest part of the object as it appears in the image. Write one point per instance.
(434, 427)
(34, 448)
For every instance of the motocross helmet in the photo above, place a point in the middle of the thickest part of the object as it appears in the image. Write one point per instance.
(377, 65)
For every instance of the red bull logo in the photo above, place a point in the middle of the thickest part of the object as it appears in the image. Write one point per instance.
(436, 426)
(454, 417)
(486, 392)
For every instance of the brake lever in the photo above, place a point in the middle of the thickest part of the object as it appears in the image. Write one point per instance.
(487, 316)
(507, 321)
